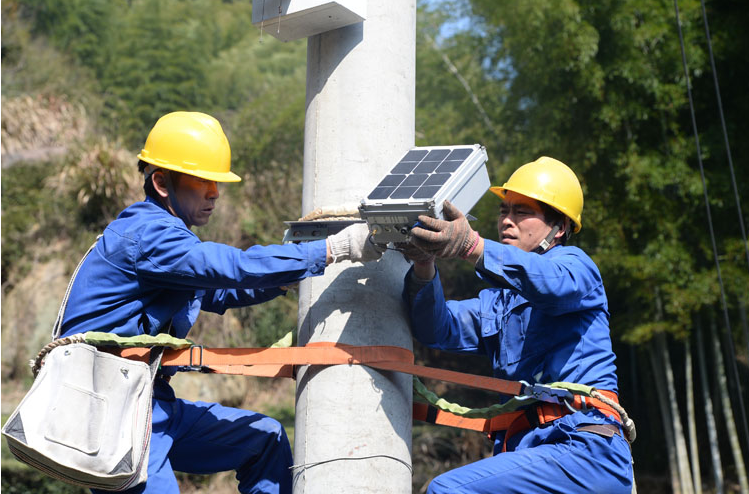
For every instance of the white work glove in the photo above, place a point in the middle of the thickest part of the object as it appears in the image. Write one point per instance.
(353, 244)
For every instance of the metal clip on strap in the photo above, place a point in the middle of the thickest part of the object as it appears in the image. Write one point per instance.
(196, 366)
(543, 392)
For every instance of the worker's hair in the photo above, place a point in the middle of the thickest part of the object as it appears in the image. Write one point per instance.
(555, 217)
(148, 183)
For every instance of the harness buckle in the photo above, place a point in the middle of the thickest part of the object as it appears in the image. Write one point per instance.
(196, 366)
(544, 392)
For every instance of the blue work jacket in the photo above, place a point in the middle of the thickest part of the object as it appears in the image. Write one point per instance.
(148, 268)
(544, 320)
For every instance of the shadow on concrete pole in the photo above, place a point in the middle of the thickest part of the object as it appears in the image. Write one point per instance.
(353, 423)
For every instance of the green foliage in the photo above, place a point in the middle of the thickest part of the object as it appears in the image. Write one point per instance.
(455, 101)
(266, 324)
(149, 56)
(253, 68)
(600, 86)
(100, 178)
(30, 215)
(23, 481)
(76, 26)
(156, 63)
(31, 65)
(39, 199)
(597, 84)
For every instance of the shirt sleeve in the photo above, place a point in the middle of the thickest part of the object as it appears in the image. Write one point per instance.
(562, 280)
(173, 257)
(452, 326)
(219, 300)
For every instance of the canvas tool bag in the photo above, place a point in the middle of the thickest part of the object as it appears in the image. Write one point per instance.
(87, 418)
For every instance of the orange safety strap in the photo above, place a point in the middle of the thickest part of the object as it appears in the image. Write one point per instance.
(517, 421)
(279, 362)
(582, 402)
(543, 413)
(433, 415)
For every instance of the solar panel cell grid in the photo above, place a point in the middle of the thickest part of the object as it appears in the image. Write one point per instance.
(403, 192)
(392, 180)
(427, 167)
(427, 191)
(404, 167)
(415, 179)
(448, 166)
(460, 154)
(381, 193)
(415, 155)
(421, 173)
(437, 179)
(437, 155)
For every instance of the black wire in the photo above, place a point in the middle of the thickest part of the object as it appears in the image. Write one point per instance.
(727, 337)
(382, 246)
(323, 462)
(725, 132)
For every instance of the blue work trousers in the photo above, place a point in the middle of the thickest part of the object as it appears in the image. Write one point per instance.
(205, 438)
(553, 459)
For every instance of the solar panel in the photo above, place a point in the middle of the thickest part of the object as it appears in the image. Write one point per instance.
(419, 183)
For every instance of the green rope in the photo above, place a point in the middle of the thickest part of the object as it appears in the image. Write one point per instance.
(514, 403)
(99, 338)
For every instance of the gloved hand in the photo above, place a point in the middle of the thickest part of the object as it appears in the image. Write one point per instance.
(354, 244)
(448, 238)
(414, 254)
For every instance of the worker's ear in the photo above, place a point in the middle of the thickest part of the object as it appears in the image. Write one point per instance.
(159, 183)
(563, 227)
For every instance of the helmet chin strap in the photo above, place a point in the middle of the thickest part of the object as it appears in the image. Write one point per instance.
(173, 198)
(546, 242)
(173, 202)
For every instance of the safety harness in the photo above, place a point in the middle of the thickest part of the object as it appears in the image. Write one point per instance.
(529, 405)
(493, 420)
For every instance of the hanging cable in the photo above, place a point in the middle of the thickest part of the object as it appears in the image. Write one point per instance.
(725, 132)
(728, 339)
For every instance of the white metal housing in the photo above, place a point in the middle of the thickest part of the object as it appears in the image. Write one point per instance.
(391, 220)
(288, 20)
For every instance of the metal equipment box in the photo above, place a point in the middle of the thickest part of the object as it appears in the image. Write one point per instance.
(418, 185)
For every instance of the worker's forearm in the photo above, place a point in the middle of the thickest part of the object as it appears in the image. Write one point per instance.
(424, 270)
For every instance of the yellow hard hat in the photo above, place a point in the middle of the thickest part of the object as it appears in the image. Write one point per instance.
(190, 142)
(549, 181)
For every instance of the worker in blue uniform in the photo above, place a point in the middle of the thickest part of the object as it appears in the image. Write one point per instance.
(149, 273)
(544, 319)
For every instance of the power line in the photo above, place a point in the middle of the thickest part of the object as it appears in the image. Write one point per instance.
(725, 132)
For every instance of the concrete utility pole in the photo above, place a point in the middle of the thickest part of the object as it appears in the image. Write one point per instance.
(353, 424)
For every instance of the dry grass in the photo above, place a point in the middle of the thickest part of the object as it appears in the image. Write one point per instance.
(40, 122)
